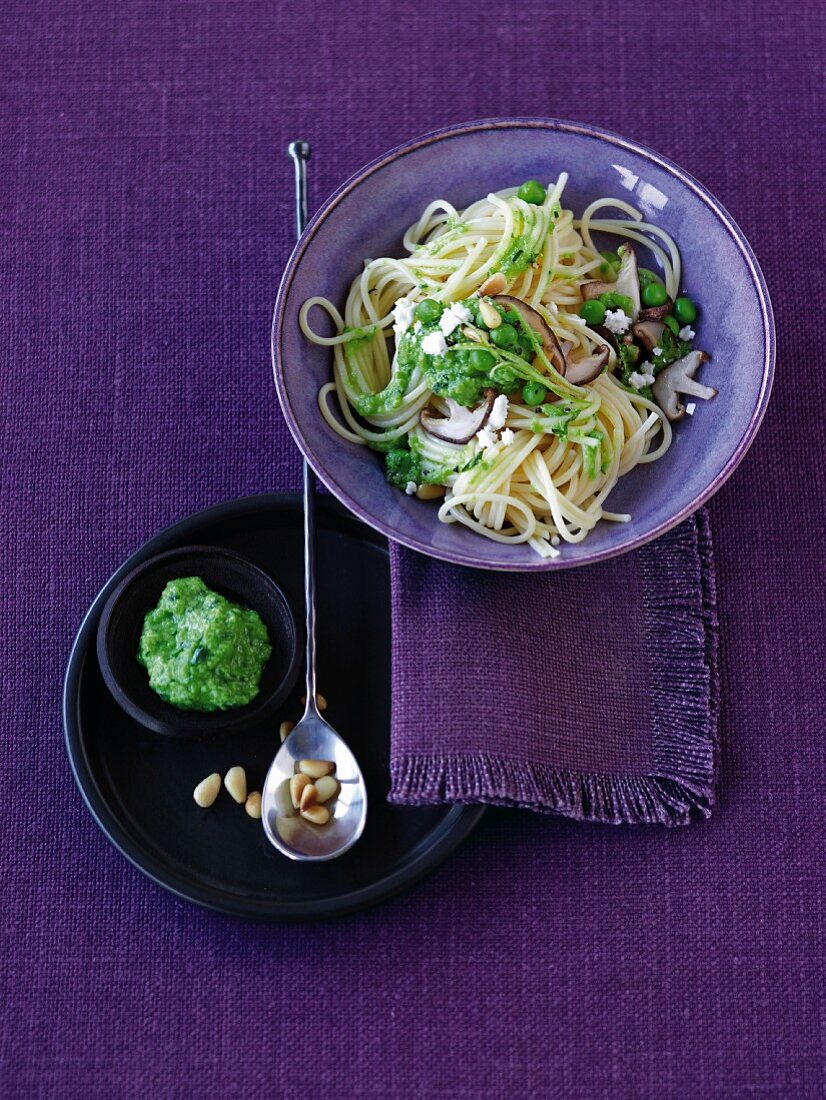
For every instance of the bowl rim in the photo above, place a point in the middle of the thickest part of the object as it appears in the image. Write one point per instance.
(472, 559)
(230, 721)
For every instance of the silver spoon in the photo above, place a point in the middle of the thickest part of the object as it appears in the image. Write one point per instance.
(312, 738)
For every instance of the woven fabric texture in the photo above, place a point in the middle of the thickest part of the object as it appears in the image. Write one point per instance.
(146, 217)
(591, 693)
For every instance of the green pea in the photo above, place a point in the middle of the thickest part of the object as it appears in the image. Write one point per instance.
(653, 295)
(533, 394)
(532, 191)
(480, 360)
(612, 263)
(593, 312)
(427, 311)
(646, 276)
(685, 311)
(503, 376)
(505, 336)
(672, 322)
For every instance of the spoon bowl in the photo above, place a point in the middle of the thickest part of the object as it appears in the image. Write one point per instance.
(314, 739)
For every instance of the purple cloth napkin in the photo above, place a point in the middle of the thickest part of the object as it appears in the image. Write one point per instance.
(590, 692)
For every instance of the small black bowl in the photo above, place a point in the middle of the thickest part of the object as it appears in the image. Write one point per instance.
(238, 580)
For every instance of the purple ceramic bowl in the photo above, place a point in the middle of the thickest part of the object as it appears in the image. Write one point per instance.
(368, 216)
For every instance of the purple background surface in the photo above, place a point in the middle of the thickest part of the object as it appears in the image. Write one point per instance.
(147, 212)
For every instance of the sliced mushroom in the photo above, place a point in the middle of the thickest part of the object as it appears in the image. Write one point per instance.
(628, 281)
(535, 321)
(606, 334)
(496, 284)
(678, 378)
(586, 370)
(462, 424)
(656, 313)
(648, 333)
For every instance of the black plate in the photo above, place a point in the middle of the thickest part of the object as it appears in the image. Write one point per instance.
(138, 785)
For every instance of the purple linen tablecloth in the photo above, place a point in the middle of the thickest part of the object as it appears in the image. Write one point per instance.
(147, 213)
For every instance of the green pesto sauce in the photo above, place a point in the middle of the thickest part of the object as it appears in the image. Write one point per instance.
(454, 230)
(408, 354)
(517, 258)
(201, 651)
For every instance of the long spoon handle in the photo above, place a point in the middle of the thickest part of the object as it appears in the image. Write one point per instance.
(299, 151)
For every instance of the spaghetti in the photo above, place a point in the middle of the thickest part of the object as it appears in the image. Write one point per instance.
(491, 324)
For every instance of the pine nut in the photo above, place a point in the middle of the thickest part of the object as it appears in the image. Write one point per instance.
(496, 284)
(253, 804)
(321, 702)
(207, 790)
(235, 782)
(284, 730)
(489, 313)
(326, 788)
(430, 492)
(309, 797)
(319, 815)
(472, 334)
(316, 768)
(297, 785)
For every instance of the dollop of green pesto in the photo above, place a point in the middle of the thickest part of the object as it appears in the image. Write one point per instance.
(202, 651)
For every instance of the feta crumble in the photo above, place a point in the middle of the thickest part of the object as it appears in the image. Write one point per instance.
(499, 413)
(507, 437)
(687, 333)
(656, 351)
(455, 315)
(638, 380)
(410, 488)
(617, 321)
(434, 344)
(487, 438)
(689, 409)
(403, 316)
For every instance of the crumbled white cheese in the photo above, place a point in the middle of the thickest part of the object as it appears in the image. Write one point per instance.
(499, 413)
(656, 351)
(410, 488)
(486, 438)
(434, 344)
(617, 321)
(507, 437)
(687, 333)
(638, 380)
(403, 316)
(689, 409)
(453, 316)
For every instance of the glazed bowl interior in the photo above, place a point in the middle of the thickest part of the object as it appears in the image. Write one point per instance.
(368, 217)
